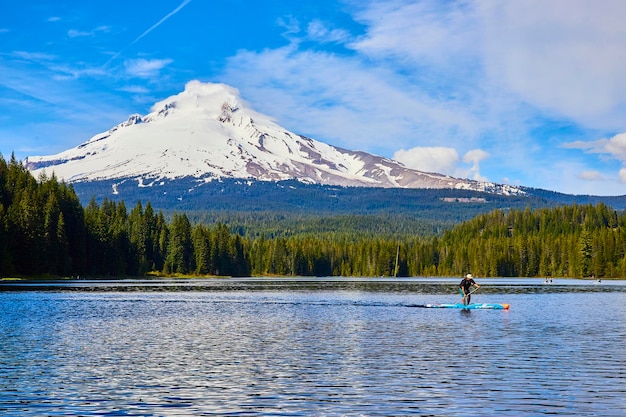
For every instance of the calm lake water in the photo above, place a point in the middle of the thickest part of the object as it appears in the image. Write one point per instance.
(323, 347)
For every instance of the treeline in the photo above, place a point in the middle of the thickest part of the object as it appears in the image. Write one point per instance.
(142, 241)
(272, 224)
(568, 241)
(45, 231)
(42, 227)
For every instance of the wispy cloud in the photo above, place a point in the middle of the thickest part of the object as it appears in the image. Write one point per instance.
(62, 113)
(33, 56)
(320, 32)
(290, 24)
(73, 33)
(39, 86)
(150, 29)
(611, 149)
(429, 32)
(67, 72)
(344, 101)
(614, 147)
(134, 89)
(145, 68)
(55, 68)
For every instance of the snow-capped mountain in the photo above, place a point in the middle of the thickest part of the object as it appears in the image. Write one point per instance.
(208, 132)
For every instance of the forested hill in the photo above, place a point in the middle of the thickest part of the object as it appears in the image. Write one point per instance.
(285, 208)
(566, 241)
(230, 195)
(45, 231)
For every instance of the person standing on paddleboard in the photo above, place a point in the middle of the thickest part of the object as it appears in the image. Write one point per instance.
(465, 286)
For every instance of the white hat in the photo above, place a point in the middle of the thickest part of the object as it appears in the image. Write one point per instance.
(469, 276)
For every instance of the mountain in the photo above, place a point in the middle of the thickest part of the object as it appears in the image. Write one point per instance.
(209, 132)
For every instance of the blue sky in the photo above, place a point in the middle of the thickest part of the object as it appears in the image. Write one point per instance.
(523, 92)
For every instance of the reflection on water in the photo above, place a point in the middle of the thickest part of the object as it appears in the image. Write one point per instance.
(317, 347)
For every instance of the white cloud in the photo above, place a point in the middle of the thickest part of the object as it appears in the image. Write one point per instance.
(444, 160)
(33, 56)
(566, 56)
(611, 149)
(65, 72)
(145, 68)
(475, 156)
(591, 175)
(57, 70)
(135, 89)
(73, 33)
(290, 24)
(421, 31)
(345, 101)
(318, 31)
(62, 114)
(429, 159)
(614, 147)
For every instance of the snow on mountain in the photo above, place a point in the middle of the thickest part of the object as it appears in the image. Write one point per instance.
(209, 132)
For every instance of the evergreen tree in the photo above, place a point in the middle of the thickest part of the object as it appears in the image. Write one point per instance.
(179, 257)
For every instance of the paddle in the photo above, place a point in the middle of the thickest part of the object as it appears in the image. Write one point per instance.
(469, 293)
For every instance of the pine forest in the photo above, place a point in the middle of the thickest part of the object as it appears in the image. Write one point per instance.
(46, 232)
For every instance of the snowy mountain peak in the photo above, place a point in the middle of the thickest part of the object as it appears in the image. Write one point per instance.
(204, 98)
(208, 131)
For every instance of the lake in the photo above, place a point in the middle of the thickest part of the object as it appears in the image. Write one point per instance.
(320, 346)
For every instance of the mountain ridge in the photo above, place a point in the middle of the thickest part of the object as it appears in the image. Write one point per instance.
(209, 132)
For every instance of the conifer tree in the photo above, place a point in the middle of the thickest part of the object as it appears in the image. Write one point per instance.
(179, 257)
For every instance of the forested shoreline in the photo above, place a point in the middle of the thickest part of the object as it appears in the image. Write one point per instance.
(45, 231)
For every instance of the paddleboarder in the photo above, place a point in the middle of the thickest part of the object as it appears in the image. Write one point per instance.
(465, 286)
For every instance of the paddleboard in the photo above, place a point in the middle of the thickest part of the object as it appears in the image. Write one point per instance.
(474, 306)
